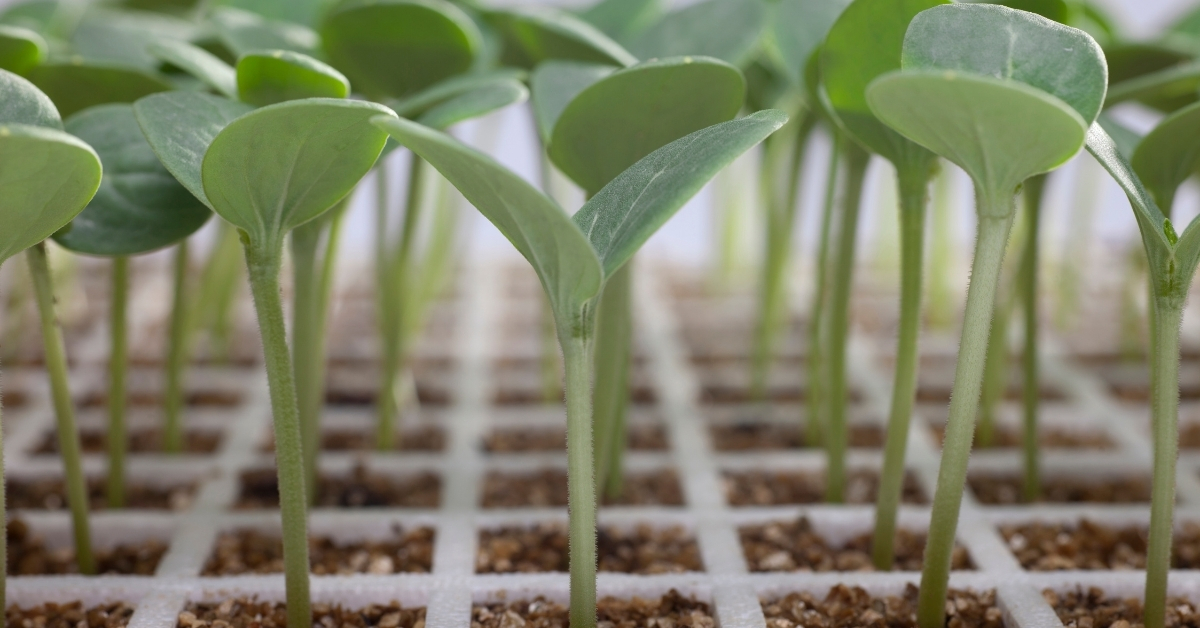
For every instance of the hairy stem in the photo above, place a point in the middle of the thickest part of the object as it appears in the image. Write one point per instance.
(306, 342)
(816, 406)
(613, 348)
(118, 368)
(385, 397)
(1168, 315)
(64, 408)
(178, 347)
(581, 483)
(1031, 485)
(995, 212)
(941, 250)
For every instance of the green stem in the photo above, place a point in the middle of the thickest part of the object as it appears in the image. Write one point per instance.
(995, 211)
(263, 263)
(816, 332)
(218, 288)
(728, 230)
(1034, 188)
(581, 483)
(839, 319)
(307, 341)
(614, 339)
(941, 251)
(64, 408)
(913, 183)
(385, 398)
(551, 384)
(178, 347)
(118, 368)
(1168, 315)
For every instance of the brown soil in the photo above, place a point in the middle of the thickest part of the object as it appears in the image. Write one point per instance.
(1091, 608)
(243, 613)
(522, 439)
(424, 438)
(1189, 434)
(764, 435)
(524, 388)
(1007, 437)
(141, 441)
(548, 488)
(252, 551)
(211, 397)
(673, 609)
(795, 546)
(48, 494)
(1006, 490)
(543, 547)
(29, 556)
(1087, 545)
(853, 607)
(360, 489)
(777, 488)
(70, 615)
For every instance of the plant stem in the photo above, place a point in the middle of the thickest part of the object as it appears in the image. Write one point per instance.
(218, 288)
(178, 347)
(1168, 315)
(263, 263)
(306, 342)
(816, 406)
(1034, 187)
(551, 381)
(614, 338)
(385, 398)
(995, 369)
(64, 408)
(913, 184)
(995, 212)
(839, 319)
(118, 367)
(581, 483)
(728, 232)
(941, 250)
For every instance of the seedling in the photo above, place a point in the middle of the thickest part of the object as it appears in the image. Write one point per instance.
(139, 208)
(574, 257)
(46, 178)
(1006, 95)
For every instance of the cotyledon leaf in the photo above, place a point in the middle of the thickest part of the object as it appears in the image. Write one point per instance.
(78, 84)
(296, 11)
(729, 30)
(243, 32)
(555, 84)
(797, 29)
(622, 19)
(199, 63)
(20, 48)
(271, 76)
(1169, 154)
(453, 87)
(474, 104)
(534, 35)
(24, 103)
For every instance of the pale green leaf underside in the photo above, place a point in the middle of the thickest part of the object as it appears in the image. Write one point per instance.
(555, 84)
(621, 217)
(199, 63)
(1005, 43)
(474, 104)
(1169, 154)
(24, 103)
(46, 178)
(180, 126)
(453, 87)
(534, 35)
(1000, 132)
(729, 30)
(278, 167)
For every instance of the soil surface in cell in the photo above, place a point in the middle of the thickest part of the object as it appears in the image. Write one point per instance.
(251, 613)
(1008, 437)
(503, 440)
(358, 489)
(854, 607)
(795, 546)
(776, 488)
(1006, 490)
(1091, 608)
(70, 615)
(48, 494)
(764, 435)
(29, 556)
(1189, 435)
(548, 488)
(142, 440)
(209, 398)
(643, 549)
(1088, 545)
(672, 609)
(429, 438)
(250, 551)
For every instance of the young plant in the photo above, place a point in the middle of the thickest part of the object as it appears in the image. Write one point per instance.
(574, 257)
(1005, 95)
(46, 178)
(139, 208)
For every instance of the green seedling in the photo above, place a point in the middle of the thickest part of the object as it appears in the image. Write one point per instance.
(76, 84)
(730, 30)
(269, 77)
(46, 178)
(574, 257)
(139, 208)
(531, 36)
(20, 49)
(863, 44)
(1005, 95)
(596, 132)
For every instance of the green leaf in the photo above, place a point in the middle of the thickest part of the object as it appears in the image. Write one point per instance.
(1168, 89)
(625, 116)
(555, 84)
(474, 104)
(451, 88)
(729, 30)
(24, 103)
(295, 11)
(121, 37)
(278, 167)
(395, 48)
(1055, 10)
(621, 217)
(1125, 138)
(36, 15)
(1004, 43)
(622, 19)
(797, 29)
(1000, 132)
(534, 35)
(180, 126)
(139, 207)
(20, 49)
(46, 178)
(1169, 154)
(243, 32)
(864, 43)
(271, 76)
(536, 226)
(77, 85)
(197, 62)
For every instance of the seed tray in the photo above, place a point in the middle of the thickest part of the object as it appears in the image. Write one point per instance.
(468, 354)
